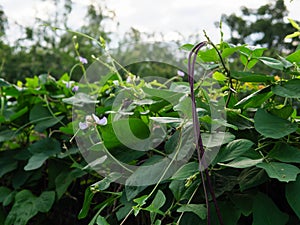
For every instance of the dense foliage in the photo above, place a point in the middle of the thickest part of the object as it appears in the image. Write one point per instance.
(254, 175)
(68, 147)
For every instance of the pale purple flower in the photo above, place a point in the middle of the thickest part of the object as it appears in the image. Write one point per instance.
(68, 83)
(92, 121)
(83, 125)
(98, 121)
(75, 88)
(83, 60)
(180, 73)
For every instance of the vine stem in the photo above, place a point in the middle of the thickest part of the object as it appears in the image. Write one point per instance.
(199, 144)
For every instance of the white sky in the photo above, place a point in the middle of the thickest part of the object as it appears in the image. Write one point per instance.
(166, 16)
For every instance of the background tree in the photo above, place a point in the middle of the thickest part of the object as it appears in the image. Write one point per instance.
(264, 26)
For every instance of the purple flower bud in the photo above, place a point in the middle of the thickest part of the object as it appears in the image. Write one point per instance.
(83, 125)
(83, 60)
(180, 73)
(75, 88)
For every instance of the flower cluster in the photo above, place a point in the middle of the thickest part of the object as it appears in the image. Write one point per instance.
(92, 120)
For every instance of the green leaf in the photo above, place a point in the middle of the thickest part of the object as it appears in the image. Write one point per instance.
(294, 57)
(158, 201)
(272, 126)
(45, 201)
(285, 112)
(101, 221)
(216, 139)
(255, 99)
(27, 206)
(4, 192)
(7, 165)
(285, 153)
(280, 171)
(244, 202)
(292, 195)
(88, 197)
(234, 149)
(242, 162)
(64, 179)
(273, 63)
(252, 177)
(265, 212)
(251, 77)
(41, 151)
(186, 171)
(177, 187)
(198, 209)
(289, 89)
(219, 76)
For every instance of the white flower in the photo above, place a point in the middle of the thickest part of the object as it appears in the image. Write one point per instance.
(116, 82)
(180, 73)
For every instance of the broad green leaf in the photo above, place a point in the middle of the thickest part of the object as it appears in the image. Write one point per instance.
(280, 171)
(4, 192)
(242, 162)
(101, 221)
(27, 205)
(265, 212)
(219, 76)
(273, 63)
(198, 209)
(252, 177)
(230, 214)
(64, 179)
(272, 126)
(285, 112)
(7, 165)
(186, 171)
(251, 77)
(256, 99)
(294, 57)
(45, 201)
(36, 161)
(285, 153)
(216, 139)
(209, 55)
(177, 187)
(7, 135)
(289, 89)
(244, 202)
(230, 50)
(234, 149)
(158, 201)
(187, 47)
(292, 195)
(41, 151)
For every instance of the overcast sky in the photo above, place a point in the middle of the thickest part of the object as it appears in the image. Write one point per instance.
(167, 16)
